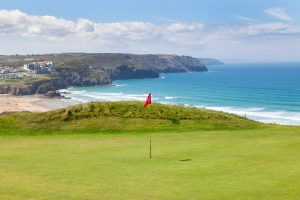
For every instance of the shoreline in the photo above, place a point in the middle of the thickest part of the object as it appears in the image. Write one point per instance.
(31, 103)
(37, 103)
(260, 114)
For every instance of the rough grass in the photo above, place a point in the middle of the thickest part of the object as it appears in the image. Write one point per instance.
(100, 151)
(23, 81)
(122, 117)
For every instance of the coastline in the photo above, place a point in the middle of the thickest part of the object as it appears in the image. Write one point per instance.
(239, 92)
(31, 103)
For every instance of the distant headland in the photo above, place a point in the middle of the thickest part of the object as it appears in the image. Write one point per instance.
(41, 74)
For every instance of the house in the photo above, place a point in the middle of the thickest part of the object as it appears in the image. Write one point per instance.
(39, 67)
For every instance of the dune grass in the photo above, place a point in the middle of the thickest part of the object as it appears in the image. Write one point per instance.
(65, 156)
(117, 117)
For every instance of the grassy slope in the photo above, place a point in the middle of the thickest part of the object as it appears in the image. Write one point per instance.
(24, 81)
(106, 157)
(121, 117)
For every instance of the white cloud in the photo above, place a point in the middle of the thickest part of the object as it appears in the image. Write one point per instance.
(266, 28)
(163, 19)
(84, 25)
(50, 27)
(248, 19)
(17, 22)
(24, 33)
(180, 27)
(278, 13)
(10, 21)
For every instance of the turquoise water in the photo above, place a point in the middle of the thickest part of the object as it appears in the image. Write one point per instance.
(264, 92)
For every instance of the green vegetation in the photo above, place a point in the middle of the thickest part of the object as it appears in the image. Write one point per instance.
(100, 151)
(86, 69)
(120, 117)
(23, 81)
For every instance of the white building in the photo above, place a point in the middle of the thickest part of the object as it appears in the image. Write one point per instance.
(38, 67)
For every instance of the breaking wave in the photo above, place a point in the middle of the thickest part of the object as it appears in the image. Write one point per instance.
(120, 85)
(169, 97)
(255, 113)
(262, 114)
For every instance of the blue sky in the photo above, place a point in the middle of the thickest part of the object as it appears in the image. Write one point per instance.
(231, 30)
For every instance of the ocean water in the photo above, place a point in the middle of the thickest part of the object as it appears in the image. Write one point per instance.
(264, 92)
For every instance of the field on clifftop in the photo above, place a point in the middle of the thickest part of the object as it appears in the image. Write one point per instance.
(101, 151)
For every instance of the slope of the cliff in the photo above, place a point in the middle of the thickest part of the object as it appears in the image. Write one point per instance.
(87, 69)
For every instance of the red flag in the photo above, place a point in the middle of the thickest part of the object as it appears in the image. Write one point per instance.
(148, 100)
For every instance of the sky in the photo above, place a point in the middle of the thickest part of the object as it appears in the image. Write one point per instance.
(229, 30)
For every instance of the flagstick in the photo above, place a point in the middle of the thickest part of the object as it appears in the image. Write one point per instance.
(150, 139)
(150, 149)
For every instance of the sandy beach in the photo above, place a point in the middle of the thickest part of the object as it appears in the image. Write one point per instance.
(31, 103)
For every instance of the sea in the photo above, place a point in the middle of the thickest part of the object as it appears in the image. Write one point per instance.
(265, 92)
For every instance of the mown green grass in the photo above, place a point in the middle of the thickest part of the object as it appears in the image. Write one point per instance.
(105, 156)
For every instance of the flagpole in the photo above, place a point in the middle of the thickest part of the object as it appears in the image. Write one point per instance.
(150, 139)
(148, 102)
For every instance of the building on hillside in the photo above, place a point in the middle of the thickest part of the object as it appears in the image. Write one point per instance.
(39, 67)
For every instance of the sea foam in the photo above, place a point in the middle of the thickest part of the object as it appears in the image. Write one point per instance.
(255, 113)
(251, 90)
(262, 114)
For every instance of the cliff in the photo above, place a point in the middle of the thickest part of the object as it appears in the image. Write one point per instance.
(210, 61)
(81, 69)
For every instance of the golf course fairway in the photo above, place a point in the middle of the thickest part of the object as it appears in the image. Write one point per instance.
(80, 156)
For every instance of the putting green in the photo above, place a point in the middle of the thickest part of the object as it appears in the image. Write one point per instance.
(223, 164)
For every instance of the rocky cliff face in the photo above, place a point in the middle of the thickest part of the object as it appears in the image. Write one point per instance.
(168, 63)
(102, 69)
(37, 87)
(126, 72)
(210, 61)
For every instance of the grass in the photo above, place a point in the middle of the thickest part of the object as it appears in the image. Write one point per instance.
(23, 81)
(118, 117)
(95, 154)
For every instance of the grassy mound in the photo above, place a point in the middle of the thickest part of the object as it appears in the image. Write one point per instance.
(97, 117)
